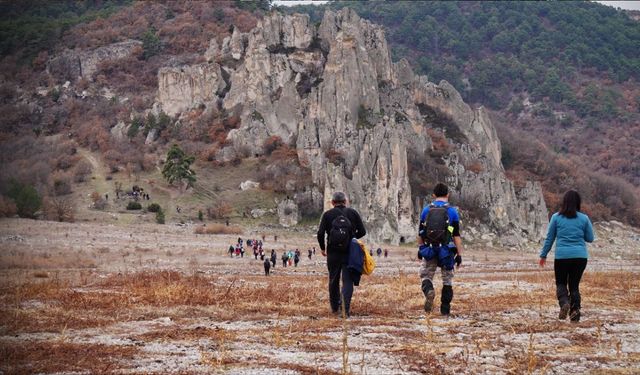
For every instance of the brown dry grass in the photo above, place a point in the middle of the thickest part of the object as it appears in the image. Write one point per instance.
(19, 259)
(49, 357)
(218, 229)
(382, 297)
(195, 299)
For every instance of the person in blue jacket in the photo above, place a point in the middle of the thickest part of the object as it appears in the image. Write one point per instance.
(443, 256)
(571, 230)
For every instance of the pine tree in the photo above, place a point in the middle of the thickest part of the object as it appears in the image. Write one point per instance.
(178, 167)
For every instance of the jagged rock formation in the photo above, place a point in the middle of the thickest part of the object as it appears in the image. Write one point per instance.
(73, 64)
(356, 119)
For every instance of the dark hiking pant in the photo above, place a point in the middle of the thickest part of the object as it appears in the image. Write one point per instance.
(337, 266)
(568, 273)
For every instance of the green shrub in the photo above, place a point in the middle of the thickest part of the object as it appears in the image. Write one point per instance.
(200, 215)
(151, 44)
(135, 126)
(154, 207)
(160, 217)
(134, 206)
(26, 199)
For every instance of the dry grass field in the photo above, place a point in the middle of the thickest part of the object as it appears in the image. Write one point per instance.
(144, 298)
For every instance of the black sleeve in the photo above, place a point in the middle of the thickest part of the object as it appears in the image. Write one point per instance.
(456, 228)
(321, 231)
(358, 226)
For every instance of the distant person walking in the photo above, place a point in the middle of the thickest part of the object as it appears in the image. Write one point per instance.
(439, 239)
(274, 257)
(571, 230)
(290, 257)
(267, 267)
(340, 224)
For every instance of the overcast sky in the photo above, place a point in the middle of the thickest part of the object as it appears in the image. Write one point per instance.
(633, 5)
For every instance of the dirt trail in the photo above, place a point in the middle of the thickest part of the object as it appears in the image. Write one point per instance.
(98, 172)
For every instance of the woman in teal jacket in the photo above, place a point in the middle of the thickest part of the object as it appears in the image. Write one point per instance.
(571, 230)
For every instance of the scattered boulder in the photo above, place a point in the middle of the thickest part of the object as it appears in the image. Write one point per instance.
(119, 131)
(257, 213)
(288, 213)
(249, 185)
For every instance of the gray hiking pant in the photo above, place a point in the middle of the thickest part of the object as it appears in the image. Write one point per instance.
(428, 270)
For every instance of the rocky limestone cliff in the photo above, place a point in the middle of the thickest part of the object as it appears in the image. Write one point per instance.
(188, 87)
(355, 118)
(73, 64)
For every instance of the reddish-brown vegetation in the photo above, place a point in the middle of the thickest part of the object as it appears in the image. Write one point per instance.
(604, 197)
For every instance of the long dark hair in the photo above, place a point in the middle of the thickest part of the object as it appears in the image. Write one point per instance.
(570, 204)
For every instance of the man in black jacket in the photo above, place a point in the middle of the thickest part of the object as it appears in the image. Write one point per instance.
(339, 219)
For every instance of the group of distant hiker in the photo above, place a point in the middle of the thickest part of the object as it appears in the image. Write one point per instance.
(440, 246)
(289, 258)
(136, 193)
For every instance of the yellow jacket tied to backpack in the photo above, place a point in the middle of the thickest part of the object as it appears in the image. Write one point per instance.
(369, 263)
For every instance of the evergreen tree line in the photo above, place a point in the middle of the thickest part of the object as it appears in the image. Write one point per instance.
(28, 27)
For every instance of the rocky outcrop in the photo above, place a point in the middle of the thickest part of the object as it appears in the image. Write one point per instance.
(71, 64)
(65, 67)
(356, 119)
(188, 87)
(89, 61)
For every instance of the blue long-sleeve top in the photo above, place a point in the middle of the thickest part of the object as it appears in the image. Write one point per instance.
(570, 236)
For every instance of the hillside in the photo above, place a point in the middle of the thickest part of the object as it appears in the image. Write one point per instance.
(120, 46)
(561, 80)
(53, 120)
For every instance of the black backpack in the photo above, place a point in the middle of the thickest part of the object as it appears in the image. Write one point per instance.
(435, 228)
(341, 233)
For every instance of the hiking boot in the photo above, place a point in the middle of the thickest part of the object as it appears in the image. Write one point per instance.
(445, 299)
(564, 312)
(575, 316)
(428, 303)
(429, 295)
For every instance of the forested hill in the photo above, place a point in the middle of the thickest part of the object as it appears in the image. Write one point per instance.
(560, 77)
(507, 47)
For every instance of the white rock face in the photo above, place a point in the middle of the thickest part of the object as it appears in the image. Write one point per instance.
(357, 120)
(187, 87)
